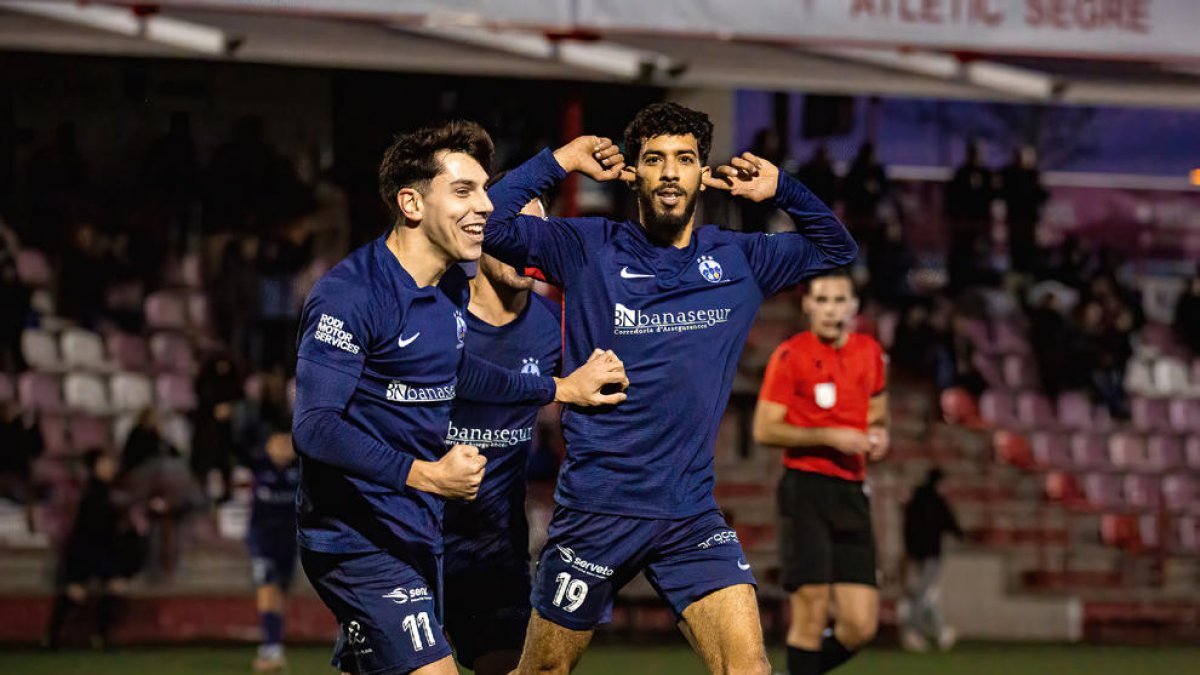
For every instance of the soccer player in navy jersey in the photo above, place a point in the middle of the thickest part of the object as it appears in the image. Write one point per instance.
(487, 539)
(380, 358)
(675, 302)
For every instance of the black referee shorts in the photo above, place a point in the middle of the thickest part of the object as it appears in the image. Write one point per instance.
(825, 533)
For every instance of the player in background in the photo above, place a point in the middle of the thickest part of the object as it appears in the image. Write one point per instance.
(487, 539)
(823, 400)
(380, 359)
(675, 302)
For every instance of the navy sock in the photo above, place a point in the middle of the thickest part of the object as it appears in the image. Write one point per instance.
(803, 662)
(272, 627)
(833, 653)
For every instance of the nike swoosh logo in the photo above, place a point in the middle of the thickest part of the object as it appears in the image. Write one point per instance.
(743, 565)
(404, 343)
(626, 274)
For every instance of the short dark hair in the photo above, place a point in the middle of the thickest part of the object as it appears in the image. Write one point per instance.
(836, 273)
(667, 119)
(411, 161)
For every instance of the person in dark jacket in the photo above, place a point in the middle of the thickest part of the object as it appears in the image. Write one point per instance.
(927, 517)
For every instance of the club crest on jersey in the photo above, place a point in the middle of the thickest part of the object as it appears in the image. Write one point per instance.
(530, 366)
(460, 326)
(709, 269)
(825, 395)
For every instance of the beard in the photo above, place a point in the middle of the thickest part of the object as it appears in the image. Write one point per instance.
(662, 227)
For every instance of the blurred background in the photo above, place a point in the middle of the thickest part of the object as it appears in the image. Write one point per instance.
(1023, 178)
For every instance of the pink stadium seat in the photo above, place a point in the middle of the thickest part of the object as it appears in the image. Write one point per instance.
(1150, 531)
(1165, 452)
(33, 269)
(176, 392)
(1010, 338)
(1184, 414)
(166, 309)
(90, 432)
(54, 434)
(977, 333)
(172, 352)
(998, 409)
(1142, 492)
(1019, 372)
(1050, 450)
(1103, 490)
(1191, 452)
(1034, 411)
(1188, 534)
(1157, 337)
(1089, 451)
(1074, 410)
(991, 368)
(83, 350)
(129, 351)
(1150, 414)
(197, 307)
(1128, 452)
(1180, 492)
(39, 348)
(40, 391)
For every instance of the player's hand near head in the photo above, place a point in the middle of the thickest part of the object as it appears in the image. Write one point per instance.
(848, 441)
(594, 156)
(584, 387)
(456, 475)
(747, 175)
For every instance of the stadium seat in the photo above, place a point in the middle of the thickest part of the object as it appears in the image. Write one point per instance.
(1050, 450)
(129, 351)
(998, 409)
(40, 392)
(1156, 338)
(1142, 492)
(54, 435)
(166, 310)
(1074, 410)
(1010, 338)
(40, 350)
(1184, 414)
(172, 352)
(1150, 531)
(175, 392)
(1103, 490)
(1165, 452)
(1127, 452)
(979, 335)
(197, 309)
(1089, 451)
(991, 369)
(1188, 534)
(191, 271)
(1170, 376)
(1150, 414)
(1019, 372)
(83, 350)
(888, 321)
(1139, 377)
(1191, 452)
(177, 430)
(1011, 448)
(131, 392)
(1034, 411)
(33, 269)
(86, 392)
(90, 432)
(1180, 492)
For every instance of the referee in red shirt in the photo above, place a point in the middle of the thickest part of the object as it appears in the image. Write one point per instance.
(824, 401)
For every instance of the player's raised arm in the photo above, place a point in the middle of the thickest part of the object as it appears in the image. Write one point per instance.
(483, 382)
(557, 246)
(821, 242)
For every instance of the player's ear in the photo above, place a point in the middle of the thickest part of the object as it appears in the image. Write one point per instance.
(412, 207)
(705, 174)
(854, 305)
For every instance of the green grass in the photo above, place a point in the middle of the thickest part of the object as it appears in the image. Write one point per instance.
(671, 660)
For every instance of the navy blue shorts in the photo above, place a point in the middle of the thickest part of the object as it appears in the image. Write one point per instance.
(590, 556)
(387, 611)
(272, 556)
(487, 609)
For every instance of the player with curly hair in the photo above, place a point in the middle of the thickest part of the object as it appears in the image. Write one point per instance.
(675, 302)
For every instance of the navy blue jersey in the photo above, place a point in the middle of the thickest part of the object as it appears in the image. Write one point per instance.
(492, 528)
(274, 503)
(677, 317)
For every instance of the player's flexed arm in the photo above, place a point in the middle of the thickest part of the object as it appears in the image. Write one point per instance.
(821, 242)
(557, 246)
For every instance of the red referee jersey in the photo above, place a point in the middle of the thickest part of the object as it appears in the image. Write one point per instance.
(823, 386)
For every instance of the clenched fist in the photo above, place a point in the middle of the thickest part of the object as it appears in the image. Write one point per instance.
(456, 475)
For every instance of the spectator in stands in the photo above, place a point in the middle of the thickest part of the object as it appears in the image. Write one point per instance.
(92, 552)
(818, 174)
(1023, 194)
(863, 189)
(915, 345)
(1187, 314)
(85, 270)
(145, 443)
(235, 296)
(890, 261)
(217, 387)
(20, 445)
(14, 303)
(1099, 355)
(969, 205)
(57, 185)
(1050, 337)
(281, 258)
(927, 518)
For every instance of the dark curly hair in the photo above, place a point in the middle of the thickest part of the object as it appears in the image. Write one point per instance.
(667, 119)
(411, 161)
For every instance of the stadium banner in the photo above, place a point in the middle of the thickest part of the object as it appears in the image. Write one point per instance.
(542, 13)
(1118, 29)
